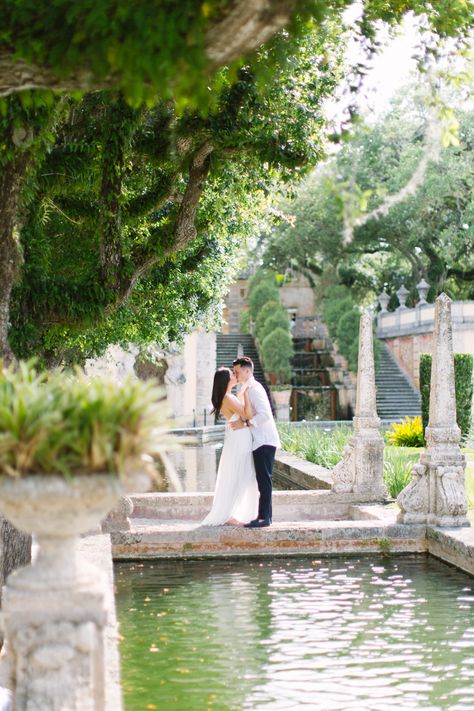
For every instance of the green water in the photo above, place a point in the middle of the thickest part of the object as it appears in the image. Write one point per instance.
(281, 634)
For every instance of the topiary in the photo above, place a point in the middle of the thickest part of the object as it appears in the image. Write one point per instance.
(348, 336)
(267, 310)
(261, 295)
(278, 320)
(277, 351)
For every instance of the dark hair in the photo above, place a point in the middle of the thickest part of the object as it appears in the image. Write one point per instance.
(219, 389)
(244, 362)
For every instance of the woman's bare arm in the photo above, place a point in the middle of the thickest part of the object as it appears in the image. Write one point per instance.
(233, 404)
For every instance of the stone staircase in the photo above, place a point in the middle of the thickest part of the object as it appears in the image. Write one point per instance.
(227, 350)
(396, 396)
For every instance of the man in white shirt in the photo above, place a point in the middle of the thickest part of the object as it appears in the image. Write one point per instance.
(264, 436)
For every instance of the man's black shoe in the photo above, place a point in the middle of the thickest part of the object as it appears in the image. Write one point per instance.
(258, 523)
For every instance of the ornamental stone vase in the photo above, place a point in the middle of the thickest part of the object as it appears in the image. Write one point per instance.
(54, 614)
(281, 398)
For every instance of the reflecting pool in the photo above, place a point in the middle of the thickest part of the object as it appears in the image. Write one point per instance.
(340, 633)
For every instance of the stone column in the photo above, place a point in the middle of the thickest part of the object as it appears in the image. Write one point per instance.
(437, 492)
(361, 469)
(54, 612)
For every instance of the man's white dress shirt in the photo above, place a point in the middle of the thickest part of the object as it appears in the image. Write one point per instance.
(262, 424)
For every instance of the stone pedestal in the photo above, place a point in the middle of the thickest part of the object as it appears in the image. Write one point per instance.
(437, 493)
(54, 613)
(281, 398)
(118, 519)
(361, 469)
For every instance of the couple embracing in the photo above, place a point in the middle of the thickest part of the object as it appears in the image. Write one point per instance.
(243, 493)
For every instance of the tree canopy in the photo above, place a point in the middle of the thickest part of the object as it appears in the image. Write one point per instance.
(428, 235)
(133, 165)
(132, 216)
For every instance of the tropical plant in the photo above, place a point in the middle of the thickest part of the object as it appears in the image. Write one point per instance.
(323, 447)
(66, 423)
(397, 468)
(406, 434)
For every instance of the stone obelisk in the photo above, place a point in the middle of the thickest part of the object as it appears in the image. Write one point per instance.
(437, 492)
(361, 469)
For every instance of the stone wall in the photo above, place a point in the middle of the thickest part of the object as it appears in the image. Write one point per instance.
(298, 296)
(408, 332)
(188, 379)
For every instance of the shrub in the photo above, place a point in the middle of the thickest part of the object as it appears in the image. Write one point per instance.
(348, 336)
(277, 350)
(267, 310)
(397, 468)
(333, 312)
(406, 434)
(278, 320)
(317, 446)
(463, 364)
(261, 295)
(245, 321)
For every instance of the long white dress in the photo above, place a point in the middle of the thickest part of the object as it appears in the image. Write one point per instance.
(236, 492)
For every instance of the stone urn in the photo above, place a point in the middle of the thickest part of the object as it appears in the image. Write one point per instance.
(281, 398)
(56, 511)
(54, 613)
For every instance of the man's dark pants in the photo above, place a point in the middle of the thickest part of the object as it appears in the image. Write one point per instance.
(263, 458)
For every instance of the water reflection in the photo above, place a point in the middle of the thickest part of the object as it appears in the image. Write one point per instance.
(285, 634)
(196, 466)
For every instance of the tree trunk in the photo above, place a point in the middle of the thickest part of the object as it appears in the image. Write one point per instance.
(15, 547)
(10, 183)
(15, 550)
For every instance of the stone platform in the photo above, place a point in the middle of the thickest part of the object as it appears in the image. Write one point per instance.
(309, 523)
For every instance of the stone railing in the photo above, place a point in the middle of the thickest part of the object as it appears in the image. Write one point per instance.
(406, 321)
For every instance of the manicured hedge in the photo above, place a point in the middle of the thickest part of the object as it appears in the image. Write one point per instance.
(277, 350)
(463, 363)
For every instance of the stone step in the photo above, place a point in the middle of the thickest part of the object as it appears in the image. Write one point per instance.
(396, 397)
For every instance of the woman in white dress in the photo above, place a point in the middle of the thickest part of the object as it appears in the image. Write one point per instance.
(236, 492)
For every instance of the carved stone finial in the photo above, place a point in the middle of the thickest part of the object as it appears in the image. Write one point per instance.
(361, 469)
(437, 492)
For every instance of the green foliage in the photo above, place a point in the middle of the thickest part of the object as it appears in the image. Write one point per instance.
(277, 350)
(347, 335)
(463, 365)
(397, 466)
(245, 321)
(121, 240)
(406, 434)
(425, 383)
(158, 47)
(267, 310)
(407, 243)
(67, 424)
(260, 295)
(341, 316)
(278, 320)
(315, 445)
